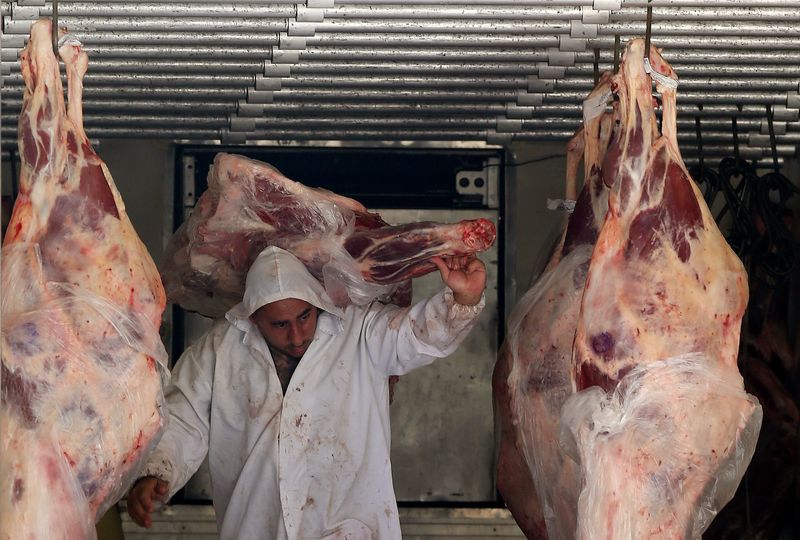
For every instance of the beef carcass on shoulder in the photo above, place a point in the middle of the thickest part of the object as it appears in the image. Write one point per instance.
(661, 423)
(82, 359)
(538, 481)
(249, 205)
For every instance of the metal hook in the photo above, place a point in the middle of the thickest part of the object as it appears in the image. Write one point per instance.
(616, 52)
(698, 130)
(772, 141)
(647, 33)
(736, 134)
(596, 66)
(55, 28)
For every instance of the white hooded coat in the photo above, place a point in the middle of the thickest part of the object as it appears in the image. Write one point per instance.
(314, 463)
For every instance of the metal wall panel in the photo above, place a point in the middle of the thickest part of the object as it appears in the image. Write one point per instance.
(442, 419)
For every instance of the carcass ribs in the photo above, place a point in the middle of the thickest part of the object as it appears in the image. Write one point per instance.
(82, 360)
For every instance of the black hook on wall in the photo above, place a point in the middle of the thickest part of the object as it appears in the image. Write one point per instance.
(736, 134)
(699, 132)
(772, 141)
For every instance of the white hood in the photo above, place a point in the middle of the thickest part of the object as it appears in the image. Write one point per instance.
(276, 275)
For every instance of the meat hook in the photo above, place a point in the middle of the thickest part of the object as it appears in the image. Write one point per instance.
(55, 28)
(736, 133)
(647, 33)
(737, 201)
(704, 177)
(772, 142)
(699, 132)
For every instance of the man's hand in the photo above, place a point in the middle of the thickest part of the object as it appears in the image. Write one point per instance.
(142, 499)
(466, 276)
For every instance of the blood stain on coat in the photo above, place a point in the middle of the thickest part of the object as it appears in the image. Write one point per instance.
(309, 502)
(254, 408)
(420, 329)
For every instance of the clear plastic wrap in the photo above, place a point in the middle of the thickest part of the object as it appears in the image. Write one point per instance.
(532, 378)
(539, 342)
(649, 453)
(345, 282)
(249, 205)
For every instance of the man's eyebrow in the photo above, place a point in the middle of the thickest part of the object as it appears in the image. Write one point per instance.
(303, 314)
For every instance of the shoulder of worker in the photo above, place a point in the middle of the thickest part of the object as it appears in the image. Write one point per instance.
(211, 339)
(219, 329)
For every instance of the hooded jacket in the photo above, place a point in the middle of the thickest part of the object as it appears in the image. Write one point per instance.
(313, 463)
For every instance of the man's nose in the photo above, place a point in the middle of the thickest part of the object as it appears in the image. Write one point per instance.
(295, 336)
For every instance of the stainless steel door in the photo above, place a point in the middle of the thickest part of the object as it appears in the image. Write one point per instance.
(443, 443)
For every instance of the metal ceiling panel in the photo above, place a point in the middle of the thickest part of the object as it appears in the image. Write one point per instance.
(426, 70)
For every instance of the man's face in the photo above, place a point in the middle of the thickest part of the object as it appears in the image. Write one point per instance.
(287, 325)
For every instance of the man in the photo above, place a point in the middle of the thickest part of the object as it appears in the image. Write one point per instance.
(289, 397)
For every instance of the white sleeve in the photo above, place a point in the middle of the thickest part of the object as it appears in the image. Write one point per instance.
(184, 444)
(402, 339)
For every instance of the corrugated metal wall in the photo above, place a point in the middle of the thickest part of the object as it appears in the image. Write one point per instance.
(488, 70)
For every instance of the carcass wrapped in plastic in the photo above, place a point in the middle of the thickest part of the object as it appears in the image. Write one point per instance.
(665, 430)
(249, 205)
(538, 481)
(658, 459)
(82, 359)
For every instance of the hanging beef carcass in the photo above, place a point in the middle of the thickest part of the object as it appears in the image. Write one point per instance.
(82, 360)
(665, 429)
(250, 205)
(531, 381)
